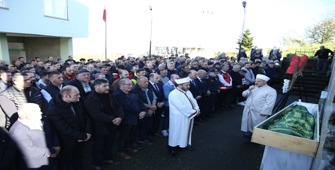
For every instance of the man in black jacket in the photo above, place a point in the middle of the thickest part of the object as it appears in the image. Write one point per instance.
(204, 92)
(134, 109)
(323, 54)
(214, 87)
(157, 87)
(33, 95)
(74, 128)
(53, 88)
(148, 97)
(82, 82)
(107, 114)
(237, 85)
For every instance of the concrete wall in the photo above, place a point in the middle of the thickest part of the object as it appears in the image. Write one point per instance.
(66, 48)
(34, 47)
(4, 54)
(27, 17)
(42, 47)
(16, 50)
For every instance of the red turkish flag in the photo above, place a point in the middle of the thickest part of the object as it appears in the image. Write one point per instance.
(104, 16)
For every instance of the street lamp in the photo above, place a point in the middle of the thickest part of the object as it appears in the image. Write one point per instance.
(244, 4)
(207, 35)
(150, 31)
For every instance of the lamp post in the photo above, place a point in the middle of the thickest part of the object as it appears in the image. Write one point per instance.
(150, 31)
(207, 35)
(244, 4)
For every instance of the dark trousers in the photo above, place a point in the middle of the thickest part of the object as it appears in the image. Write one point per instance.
(236, 95)
(144, 127)
(322, 64)
(240, 97)
(165, 120)
(157, 117)
(224, 97)
(125, 139)
(218, 101)
(212, 103)
(203, 105)
(71, 155)
(103, 147)
(8, 151)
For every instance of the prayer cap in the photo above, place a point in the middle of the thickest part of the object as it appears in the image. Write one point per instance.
(183, 80)
(262, 77)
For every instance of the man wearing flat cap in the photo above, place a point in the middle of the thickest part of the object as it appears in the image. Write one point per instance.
(261, 99)
(82, 82)
(183, 109)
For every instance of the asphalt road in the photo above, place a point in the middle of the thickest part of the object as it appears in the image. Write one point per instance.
(218, 143)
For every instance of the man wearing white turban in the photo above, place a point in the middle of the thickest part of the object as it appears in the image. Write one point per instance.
(261, 99)
(183, 109)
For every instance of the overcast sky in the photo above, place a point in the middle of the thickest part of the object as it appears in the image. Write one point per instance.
(199, 23)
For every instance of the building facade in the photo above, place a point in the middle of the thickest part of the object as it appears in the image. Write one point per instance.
(40, 28)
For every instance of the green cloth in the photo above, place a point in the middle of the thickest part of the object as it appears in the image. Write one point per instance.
(296, 121)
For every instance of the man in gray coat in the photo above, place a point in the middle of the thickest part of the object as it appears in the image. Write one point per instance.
(29, 136)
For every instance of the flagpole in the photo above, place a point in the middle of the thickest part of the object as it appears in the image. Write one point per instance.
(150, 32)
(104, 17)
(106, 40)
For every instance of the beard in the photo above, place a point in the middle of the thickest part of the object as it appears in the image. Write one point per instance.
(184, 88)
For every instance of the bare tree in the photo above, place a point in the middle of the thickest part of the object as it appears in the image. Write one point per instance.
(322, 32)
(292, 41)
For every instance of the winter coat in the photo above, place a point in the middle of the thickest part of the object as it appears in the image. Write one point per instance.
(131, 104)
(70, 126)
(103, 115)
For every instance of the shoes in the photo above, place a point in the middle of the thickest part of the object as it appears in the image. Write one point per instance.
(241, 103)
(165, 133)
(200, 120)
(157, 134)
(173, 152)
(226, 109)
(211, 116)
(190, 148)
(247, 135)
(124, 156)
(204, 118)
(96, 167)
(132, 150)
(146, 142)
(231, 107)
(112, 162)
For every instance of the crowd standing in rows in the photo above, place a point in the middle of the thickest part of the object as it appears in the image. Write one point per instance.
(91, 109)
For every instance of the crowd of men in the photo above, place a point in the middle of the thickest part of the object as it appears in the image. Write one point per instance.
(92, 109)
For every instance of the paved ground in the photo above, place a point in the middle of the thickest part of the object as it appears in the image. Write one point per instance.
(218, 145)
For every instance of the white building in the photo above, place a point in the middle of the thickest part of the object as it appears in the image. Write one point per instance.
(40, 28)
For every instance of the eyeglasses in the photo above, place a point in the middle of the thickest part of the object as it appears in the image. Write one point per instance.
(128, 84)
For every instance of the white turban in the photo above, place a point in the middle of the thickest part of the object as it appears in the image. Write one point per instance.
(262, 77)
(28, 109)
(183, 80)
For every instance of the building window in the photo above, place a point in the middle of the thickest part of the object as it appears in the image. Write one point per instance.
(2, 3)
(55, 8)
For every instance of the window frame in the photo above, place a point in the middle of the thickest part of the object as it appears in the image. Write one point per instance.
(3, 4)
(51, 10)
